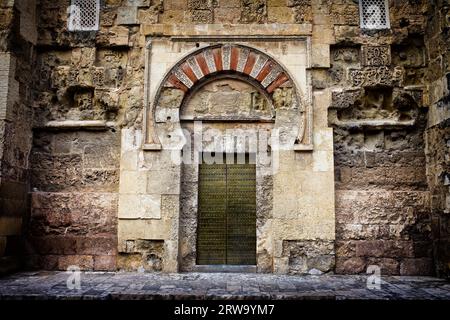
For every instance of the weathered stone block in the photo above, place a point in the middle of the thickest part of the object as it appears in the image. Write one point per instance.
(132, 206)
(416, 267)
(81, 261)
(352, 265)
(105, 263)
(163, 182)
(127, 15)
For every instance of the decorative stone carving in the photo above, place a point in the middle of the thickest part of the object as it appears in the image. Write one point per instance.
(183, 78)
(374, 108)
(226, 57)
(345, 99)
(375, 56)
(274, 73)
(346, 55)
(370, 77)
(243, 56)
(260, 63)
(209, 58)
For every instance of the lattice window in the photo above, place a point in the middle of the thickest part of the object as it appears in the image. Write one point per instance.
(374, 14)
(84, 15)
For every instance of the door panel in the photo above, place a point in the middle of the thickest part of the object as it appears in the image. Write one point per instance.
(227, 215)
(241, 214)
(211, 236)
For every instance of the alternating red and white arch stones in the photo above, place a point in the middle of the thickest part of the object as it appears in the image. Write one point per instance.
(228, 58)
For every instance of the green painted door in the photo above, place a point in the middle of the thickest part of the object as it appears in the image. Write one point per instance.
(227, 214)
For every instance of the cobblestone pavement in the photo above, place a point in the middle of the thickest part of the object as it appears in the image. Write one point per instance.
(104, 286)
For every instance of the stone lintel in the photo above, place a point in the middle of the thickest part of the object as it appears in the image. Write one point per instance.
(227, 29)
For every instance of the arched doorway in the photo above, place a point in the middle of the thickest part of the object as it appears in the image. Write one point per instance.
(225, 193)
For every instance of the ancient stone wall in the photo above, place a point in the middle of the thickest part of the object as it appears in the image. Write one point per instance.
(438, 132)
(17, 40)
(379, 115)
(89, 92)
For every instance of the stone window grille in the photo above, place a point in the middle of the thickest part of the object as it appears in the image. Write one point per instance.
(374, 14)
(83, 15)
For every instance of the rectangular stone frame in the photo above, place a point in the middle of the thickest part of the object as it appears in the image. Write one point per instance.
(158, 216)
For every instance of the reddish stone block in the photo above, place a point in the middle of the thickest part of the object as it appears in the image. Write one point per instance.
(96, 245)
(217, 54)
(48, 262)
(265, 71)
(177, 83)
(58, 245)
(384, 248)
(105, 263)
(250, 63)
(282, 78)
(388, 266)
(416, 267)
(81, 261)
(234, 58)
(202, 64)
(350, 265)
(189, 73)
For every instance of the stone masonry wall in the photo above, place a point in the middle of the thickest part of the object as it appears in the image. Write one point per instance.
(379, 115)
(438, 132)
(17, 40)
(88, 89)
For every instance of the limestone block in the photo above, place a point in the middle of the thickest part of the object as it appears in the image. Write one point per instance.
(280, 14)
(143, 229)
(129, 160)
(138, 206)
(227, 15)
(278, 248)
(322, 100)
(281, 265)
(323, 139)
(170, 206)
(320, 55)
(127, 15)
(118, 36)
(167, 115)
(322, 161)
(133, 182)
(170, 256)
(163, 182)
(139, 3)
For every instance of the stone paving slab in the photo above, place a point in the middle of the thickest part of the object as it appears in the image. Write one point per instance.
(44, 285)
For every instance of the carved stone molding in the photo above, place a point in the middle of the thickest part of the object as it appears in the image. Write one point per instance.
(376, 56)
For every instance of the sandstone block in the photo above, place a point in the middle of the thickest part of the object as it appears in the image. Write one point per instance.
(127, 15)
(105, 263)
(416, 267)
